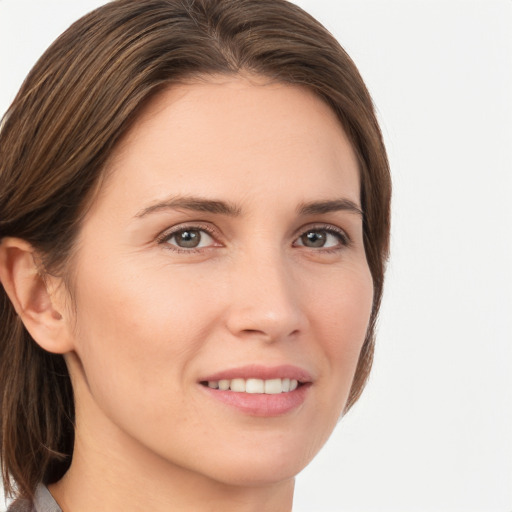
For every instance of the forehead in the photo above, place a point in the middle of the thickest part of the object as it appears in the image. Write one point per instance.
(236, 136)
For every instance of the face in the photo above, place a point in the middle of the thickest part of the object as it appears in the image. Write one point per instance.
(224, 252)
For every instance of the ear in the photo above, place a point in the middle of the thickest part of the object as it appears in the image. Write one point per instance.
(38, 299)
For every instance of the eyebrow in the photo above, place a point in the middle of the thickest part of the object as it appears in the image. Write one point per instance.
(200, 204)
(192, 203)
(333, 205)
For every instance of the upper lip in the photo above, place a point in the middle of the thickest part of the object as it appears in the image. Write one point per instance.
(255, 371)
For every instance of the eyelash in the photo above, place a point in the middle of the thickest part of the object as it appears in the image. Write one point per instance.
(341, 235)
(343, 239)
(164, 238)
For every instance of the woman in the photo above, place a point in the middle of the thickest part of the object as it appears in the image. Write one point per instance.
(195, 221)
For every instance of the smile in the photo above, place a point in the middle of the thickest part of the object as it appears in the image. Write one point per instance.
(259, 390)
(253, 385)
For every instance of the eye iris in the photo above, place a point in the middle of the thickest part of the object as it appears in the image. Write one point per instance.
(188, 238)
(314, 238)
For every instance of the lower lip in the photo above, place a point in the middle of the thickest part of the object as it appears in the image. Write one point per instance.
(260, 404)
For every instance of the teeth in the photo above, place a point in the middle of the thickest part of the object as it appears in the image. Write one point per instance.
(224, 384)
(268, 387)
(238, 385)
(273, 386)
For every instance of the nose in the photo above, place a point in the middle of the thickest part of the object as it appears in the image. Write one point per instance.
(266, 299)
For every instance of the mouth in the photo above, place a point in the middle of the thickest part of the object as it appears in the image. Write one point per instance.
(260, 390)
(254, 385)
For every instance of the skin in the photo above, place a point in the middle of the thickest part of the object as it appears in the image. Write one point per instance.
(149, 319)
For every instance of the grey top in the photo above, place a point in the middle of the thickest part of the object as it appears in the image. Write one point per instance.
(43, 502)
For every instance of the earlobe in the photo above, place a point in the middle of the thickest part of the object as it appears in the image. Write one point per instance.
(34, 295)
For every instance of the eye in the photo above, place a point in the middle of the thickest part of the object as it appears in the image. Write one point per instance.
(189, 238)
(322, 238)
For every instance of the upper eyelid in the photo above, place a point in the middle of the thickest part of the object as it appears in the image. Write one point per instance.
(169, 232)
(215, 233)
(323, 227)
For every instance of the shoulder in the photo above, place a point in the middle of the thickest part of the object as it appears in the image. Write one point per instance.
(43, 502)
(21, 505)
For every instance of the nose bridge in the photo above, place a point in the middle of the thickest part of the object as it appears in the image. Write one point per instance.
(266, 301)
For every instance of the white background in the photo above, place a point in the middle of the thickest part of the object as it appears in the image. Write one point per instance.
(433, 431)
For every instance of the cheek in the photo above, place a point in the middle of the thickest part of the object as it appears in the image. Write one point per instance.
(341, 308)
(340, 318)
(137, 332)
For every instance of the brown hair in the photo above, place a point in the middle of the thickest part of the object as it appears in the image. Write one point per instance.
(77, 102)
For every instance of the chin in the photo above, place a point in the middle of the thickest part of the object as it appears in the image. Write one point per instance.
(261, 463)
